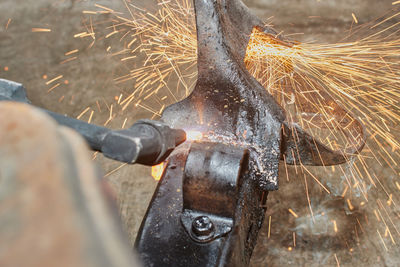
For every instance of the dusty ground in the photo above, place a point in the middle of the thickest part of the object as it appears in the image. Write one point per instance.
(27, 56)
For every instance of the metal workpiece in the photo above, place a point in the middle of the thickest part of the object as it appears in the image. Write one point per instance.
(210, 202)
(146, 142)
(229, 105)
(212, 174)
(207, 215)
(210, 188)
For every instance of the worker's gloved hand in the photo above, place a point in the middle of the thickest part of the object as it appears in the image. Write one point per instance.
(146, 142)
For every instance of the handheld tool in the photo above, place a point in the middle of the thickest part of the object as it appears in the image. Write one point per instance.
(146, 142)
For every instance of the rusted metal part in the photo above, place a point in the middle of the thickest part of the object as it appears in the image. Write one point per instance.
(212, 175)
(230, 106)
(203, 214)
(146, 142)
(52, 208)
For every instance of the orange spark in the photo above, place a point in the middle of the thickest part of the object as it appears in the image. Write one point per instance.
(354, 18)
(269, 226)
(55, 79)
(335, 226)
(40, 30)
(71, 52)
(293, 213)
(351, 207)
(8, 24)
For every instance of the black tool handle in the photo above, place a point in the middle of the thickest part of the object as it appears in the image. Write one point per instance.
(146, 142)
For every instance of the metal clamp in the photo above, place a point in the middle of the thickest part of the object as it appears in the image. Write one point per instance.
(210, 189)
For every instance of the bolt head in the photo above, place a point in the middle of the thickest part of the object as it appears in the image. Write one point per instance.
(202, 226)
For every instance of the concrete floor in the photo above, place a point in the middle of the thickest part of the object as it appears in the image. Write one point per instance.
(26, 57)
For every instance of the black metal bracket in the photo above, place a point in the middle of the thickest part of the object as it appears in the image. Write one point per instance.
(210, 189)
(205, 211)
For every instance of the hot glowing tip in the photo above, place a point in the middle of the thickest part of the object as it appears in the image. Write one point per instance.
(157, 171)
(193, 135)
